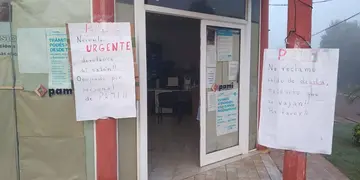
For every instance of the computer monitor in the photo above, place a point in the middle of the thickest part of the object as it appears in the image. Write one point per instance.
(173, 82)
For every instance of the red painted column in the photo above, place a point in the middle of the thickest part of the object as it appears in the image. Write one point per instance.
(264, 41)
(105, 138)
(299, 31)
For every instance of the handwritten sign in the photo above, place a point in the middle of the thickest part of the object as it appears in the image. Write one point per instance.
(102, 70)
(298, 99)
(227, 112)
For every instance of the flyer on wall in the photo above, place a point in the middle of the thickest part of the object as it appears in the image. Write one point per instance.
(298, 87)
(59, 67)
(102, 70)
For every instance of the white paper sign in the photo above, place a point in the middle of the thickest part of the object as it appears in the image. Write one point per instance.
(32, 50)
(7, 41)
(224, 44)
(233, 70)
(227, 112)
(57, 51)
(211, 56)
(103, 70)
(211, 101)
(210, 76)
(298, 99)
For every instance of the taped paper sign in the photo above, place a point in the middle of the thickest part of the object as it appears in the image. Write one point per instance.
(211, 101)
(298, 99)
(103, 70)
(59, 67)
(210, 77)
(32, 50)
(224, 44)
(211, 56)
(227, 112)
(7, 41)
(233, 70)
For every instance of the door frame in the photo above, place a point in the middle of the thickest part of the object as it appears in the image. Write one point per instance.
(243, 97)
(140, 9)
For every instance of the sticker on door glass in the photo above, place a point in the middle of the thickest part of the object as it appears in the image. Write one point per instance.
(227, 112)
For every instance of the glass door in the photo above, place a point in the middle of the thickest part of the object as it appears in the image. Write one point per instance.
(223, 122)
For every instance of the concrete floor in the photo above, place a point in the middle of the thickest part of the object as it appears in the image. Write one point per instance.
(174, 155)
(317, 167)
(254, 167)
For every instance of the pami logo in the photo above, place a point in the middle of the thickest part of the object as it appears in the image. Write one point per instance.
(41, 91)
(222, 87)
(53, 92)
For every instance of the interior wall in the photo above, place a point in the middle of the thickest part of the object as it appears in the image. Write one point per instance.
(184, 48)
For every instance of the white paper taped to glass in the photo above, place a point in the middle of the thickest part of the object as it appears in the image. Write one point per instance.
(298, 99)
(103, 70)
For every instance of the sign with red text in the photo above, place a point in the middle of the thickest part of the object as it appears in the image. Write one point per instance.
(298, 99)
(102, 70)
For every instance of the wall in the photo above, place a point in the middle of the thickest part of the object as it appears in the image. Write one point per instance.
(253, 121)
(127, 135)
(50, 143)
(254, 70)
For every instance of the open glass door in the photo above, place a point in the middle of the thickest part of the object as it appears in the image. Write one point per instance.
(223, 122)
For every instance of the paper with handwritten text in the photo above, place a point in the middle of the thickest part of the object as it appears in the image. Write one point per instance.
(102, 70)
(298, 99)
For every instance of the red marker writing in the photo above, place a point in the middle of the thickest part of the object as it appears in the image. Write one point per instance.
(282, 52)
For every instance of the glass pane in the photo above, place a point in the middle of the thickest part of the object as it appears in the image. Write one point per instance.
(223, 60)
(255, 11)
(229, 8)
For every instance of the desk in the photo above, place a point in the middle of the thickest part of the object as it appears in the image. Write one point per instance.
(153, 100)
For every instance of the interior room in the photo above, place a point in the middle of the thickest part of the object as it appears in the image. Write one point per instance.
(173, 67)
